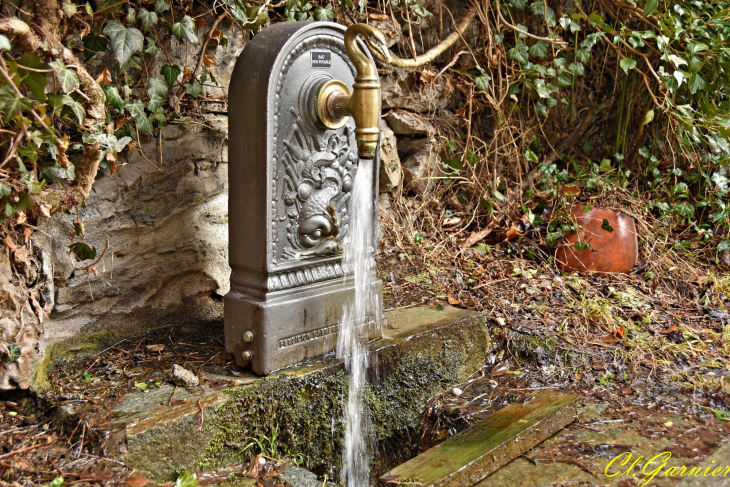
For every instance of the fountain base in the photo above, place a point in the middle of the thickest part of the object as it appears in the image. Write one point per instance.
(291, 326)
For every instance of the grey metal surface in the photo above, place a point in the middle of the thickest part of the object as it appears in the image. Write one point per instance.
(289, 194)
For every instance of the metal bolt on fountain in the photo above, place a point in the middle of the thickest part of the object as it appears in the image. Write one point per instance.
(304, 109)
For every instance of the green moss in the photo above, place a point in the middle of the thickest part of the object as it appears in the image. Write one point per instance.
(65, 351)
(306, 412)
(528, 347)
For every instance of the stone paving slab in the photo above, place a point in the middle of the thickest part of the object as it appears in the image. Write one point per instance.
(424, 351)
(582, 453)
(491, 443)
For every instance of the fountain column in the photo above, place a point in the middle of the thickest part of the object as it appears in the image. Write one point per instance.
(291, 181)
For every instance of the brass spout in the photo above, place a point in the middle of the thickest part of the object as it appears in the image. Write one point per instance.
(334, 101)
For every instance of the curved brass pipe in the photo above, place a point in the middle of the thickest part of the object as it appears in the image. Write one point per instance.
(334, 103)
(365, 99)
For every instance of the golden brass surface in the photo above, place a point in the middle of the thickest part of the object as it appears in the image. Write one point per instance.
(332, 104)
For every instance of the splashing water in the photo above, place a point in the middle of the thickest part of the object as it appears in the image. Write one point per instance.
(350, 346)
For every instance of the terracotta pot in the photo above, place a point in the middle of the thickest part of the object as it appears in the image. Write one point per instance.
(609, 251)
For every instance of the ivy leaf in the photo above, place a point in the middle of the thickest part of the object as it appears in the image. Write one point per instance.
(4, 43)
(482, 81)
(519, 53)
(157, 87)
(530, 155)
(607, 226)
(113, 98)
(518, 4)
(151, 48)
(170, 73)
(564, 80)
(69, 9)
(648, 117)
(155, 103)
(33, 79)
(136, 108)
(724, 246)
(109, 6)
(13, 352)
(125, 41)
(544, 89)
(76, 107)
(146, 19)
(576, 68)
(5, 190)
(650, 7)
(144, 124)
(539, 49)
(185, 29)
(326, 13)
(696, 83)
(627, 63)
(541, 109)
(194, 89)
(67, 77)
(82, 251)
(161, 6)
(582, 55)
(94, 44)
(11, 103)
(131, 16)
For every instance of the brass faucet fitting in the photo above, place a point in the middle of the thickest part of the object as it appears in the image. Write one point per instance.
(334, 102)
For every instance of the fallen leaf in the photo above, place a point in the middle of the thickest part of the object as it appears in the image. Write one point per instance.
(512, 233)
(200, 22)
(452, 300)
(452, 222)
(428, 75)
(178, 402)
(209, 60)
(137, 481)
(104, 78)
(667, 424)
(217, 34)
(378, 17)
(476, 237)
(672, 328)
(571, 189)
(155, 348)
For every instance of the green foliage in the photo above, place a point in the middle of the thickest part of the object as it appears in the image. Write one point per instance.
(670, 124)
(125, 41)
(13, 352)
(187, 479)
(185, 31)
(83, 251)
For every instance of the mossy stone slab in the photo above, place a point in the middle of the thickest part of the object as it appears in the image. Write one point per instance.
(471, 455)
(719, 464)
(424, 351)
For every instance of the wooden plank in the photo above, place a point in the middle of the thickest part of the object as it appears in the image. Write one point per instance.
(471, 455)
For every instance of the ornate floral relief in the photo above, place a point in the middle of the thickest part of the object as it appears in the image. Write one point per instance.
(318, 172)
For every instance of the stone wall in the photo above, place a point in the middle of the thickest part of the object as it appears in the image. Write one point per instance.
(165, 214)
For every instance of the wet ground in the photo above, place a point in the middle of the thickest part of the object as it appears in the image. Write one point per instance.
(650, 360)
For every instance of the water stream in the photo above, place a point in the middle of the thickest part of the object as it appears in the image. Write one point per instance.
(350, 345)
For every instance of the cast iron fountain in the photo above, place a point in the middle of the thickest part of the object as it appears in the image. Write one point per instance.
(302, 204)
